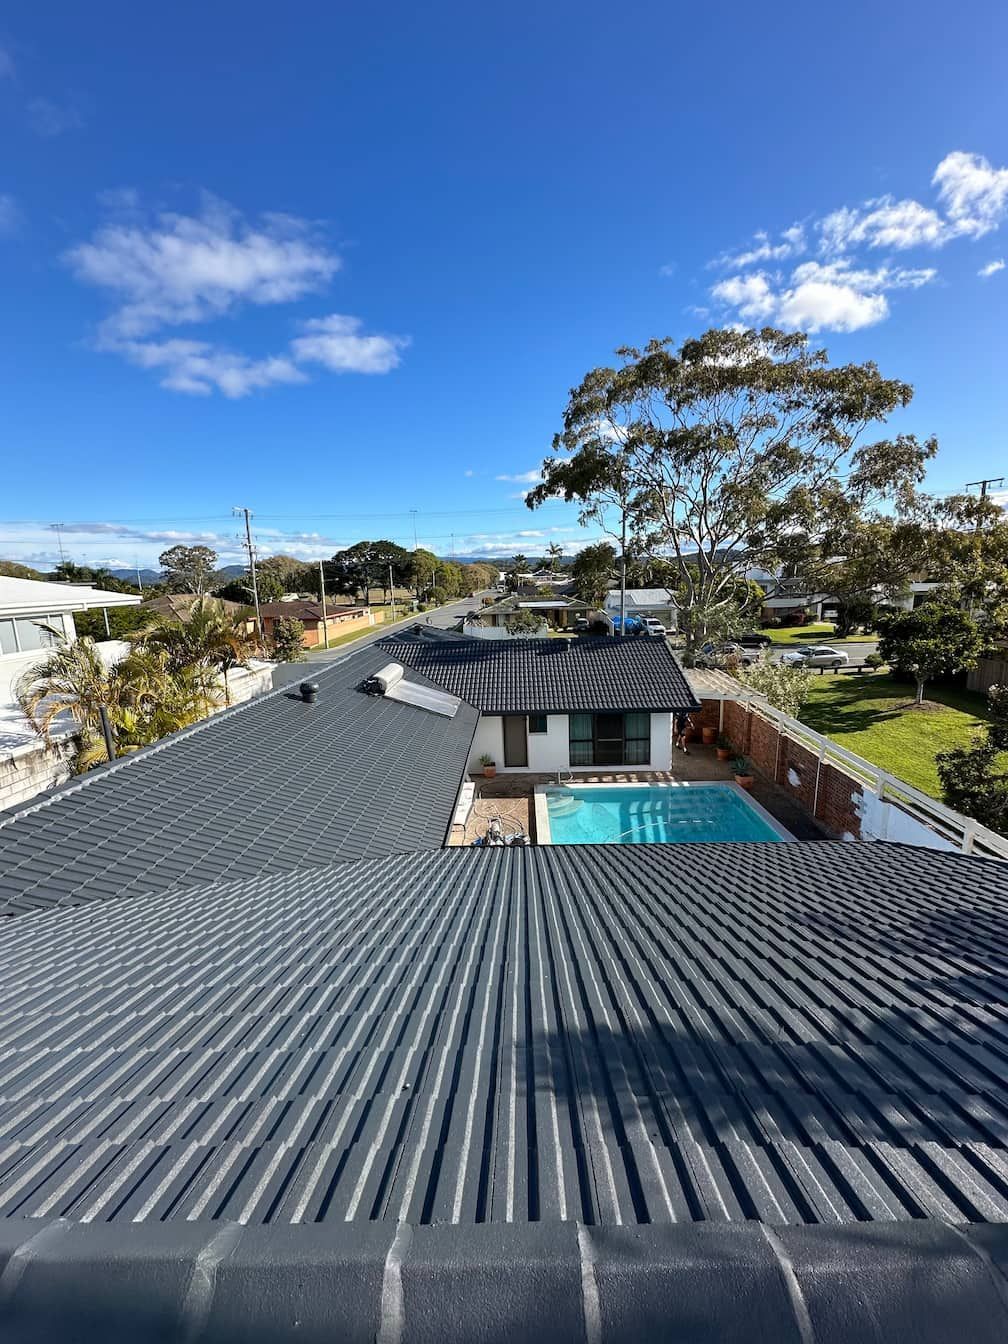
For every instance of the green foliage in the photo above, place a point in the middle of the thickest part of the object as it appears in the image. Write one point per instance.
(123, 622)
(519, 565)
(874, 660)
(365, 565)
(68, 572)
(938, 639)
(188, 569)
(523, 623)
(974, 779)
(287, 645)
(785, 687)
(209, 641)
(592, 570)
(717, 452)
(143, 696)
(10, 569)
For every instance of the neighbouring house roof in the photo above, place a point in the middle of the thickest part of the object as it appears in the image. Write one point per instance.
(177, 606)
(642, 597)
(745, 1091)
(509, 605)
(552, 676)
(30, 596)
(303, 609)
(268, 786)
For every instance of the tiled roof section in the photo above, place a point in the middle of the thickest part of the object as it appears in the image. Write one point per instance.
(795, 1034)
(269, 786)
(552, 676)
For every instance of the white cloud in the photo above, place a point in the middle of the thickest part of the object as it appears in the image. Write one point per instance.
(468, 472)
(523, 477)
(50, 119)
(750, 294)
(668, 270)
(10, 215)
(338, 344)
(833, 296)
(6, 64)
(991, 268)
(199, 368)
(176, 270)
(974, 194)
(185, 268)
(882, 223)
(792, 243)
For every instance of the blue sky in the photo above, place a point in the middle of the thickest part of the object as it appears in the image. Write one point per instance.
(338, 263)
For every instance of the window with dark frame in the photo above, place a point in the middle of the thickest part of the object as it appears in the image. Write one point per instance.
(609, 739)
(537, 723)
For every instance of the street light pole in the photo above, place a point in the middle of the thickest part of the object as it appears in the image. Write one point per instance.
(252, 567)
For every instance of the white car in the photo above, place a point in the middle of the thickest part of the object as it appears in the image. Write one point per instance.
(652, 626)
(818, 655)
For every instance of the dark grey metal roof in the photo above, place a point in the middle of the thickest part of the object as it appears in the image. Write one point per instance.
(597, 1093)
(811, 1033)
(269, 786)
(552, 676)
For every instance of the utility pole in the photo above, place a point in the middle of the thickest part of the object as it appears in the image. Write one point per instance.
(415, 545)
(990, 480)
(391, 588)
(453, 546)
(325, 618)
(139, 580)
(59, 540)
(252, 569)
(622, 590)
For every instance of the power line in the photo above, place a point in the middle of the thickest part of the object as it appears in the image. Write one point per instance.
(252, 566)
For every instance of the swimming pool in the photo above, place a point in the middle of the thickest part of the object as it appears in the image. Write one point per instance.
(656, 814)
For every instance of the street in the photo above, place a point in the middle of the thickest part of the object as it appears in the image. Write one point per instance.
(444, 618)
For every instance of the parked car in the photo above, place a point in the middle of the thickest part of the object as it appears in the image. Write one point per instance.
(581, 624)
(652, 626)
(818, 655)
(716, 655)
(754, 639)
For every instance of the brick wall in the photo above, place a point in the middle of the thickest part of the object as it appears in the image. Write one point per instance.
(793, 768)
(839, 802)
(736, 726)
(710, 714)
(27, 774)
(763, 745)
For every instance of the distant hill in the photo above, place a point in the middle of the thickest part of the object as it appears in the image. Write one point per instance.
(130, 575)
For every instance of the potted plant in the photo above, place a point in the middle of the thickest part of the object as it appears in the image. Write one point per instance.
(743, 772)
(724, 748)
(708, 734)
(489, 766)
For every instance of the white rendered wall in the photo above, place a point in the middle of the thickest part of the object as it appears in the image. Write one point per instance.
(550, 751)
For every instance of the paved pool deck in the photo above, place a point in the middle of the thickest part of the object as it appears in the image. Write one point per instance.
(509, 794)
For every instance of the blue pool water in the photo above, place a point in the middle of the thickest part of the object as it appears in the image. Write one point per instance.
(653, 814)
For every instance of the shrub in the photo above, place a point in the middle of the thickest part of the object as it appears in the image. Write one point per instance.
(875, 661)
(771, 623)
(287, 644)
(785, 687)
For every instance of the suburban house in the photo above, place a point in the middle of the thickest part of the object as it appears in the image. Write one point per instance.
(177, 606)
(33, 617)
(279, 1064)
(339, 620)
(560, 704)
(644, 603)
(558, 612)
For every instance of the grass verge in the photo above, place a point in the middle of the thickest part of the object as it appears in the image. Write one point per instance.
(816, 632)
(869, 715)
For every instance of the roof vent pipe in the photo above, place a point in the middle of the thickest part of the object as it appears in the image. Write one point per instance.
(309, 691)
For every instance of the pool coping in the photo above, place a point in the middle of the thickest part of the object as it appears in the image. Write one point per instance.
(544, 835)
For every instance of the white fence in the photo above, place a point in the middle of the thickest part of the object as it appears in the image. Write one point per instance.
(893, 809)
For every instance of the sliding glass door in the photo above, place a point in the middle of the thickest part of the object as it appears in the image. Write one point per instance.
(610, 739)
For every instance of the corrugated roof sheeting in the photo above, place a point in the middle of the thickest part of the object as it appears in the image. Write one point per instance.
(273, 785)
(797, 1034)
(552, 676)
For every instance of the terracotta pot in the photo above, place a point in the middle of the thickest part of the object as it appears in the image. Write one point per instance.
(724, 753)
(489, 771)
(709, 736)
(744, 782)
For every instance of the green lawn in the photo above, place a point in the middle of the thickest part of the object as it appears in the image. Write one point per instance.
(867, 715)
(816, 632)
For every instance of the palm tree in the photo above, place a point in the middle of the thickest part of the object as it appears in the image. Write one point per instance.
(142, 696)
(555, 553)
(519, 565)
(208, 639)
